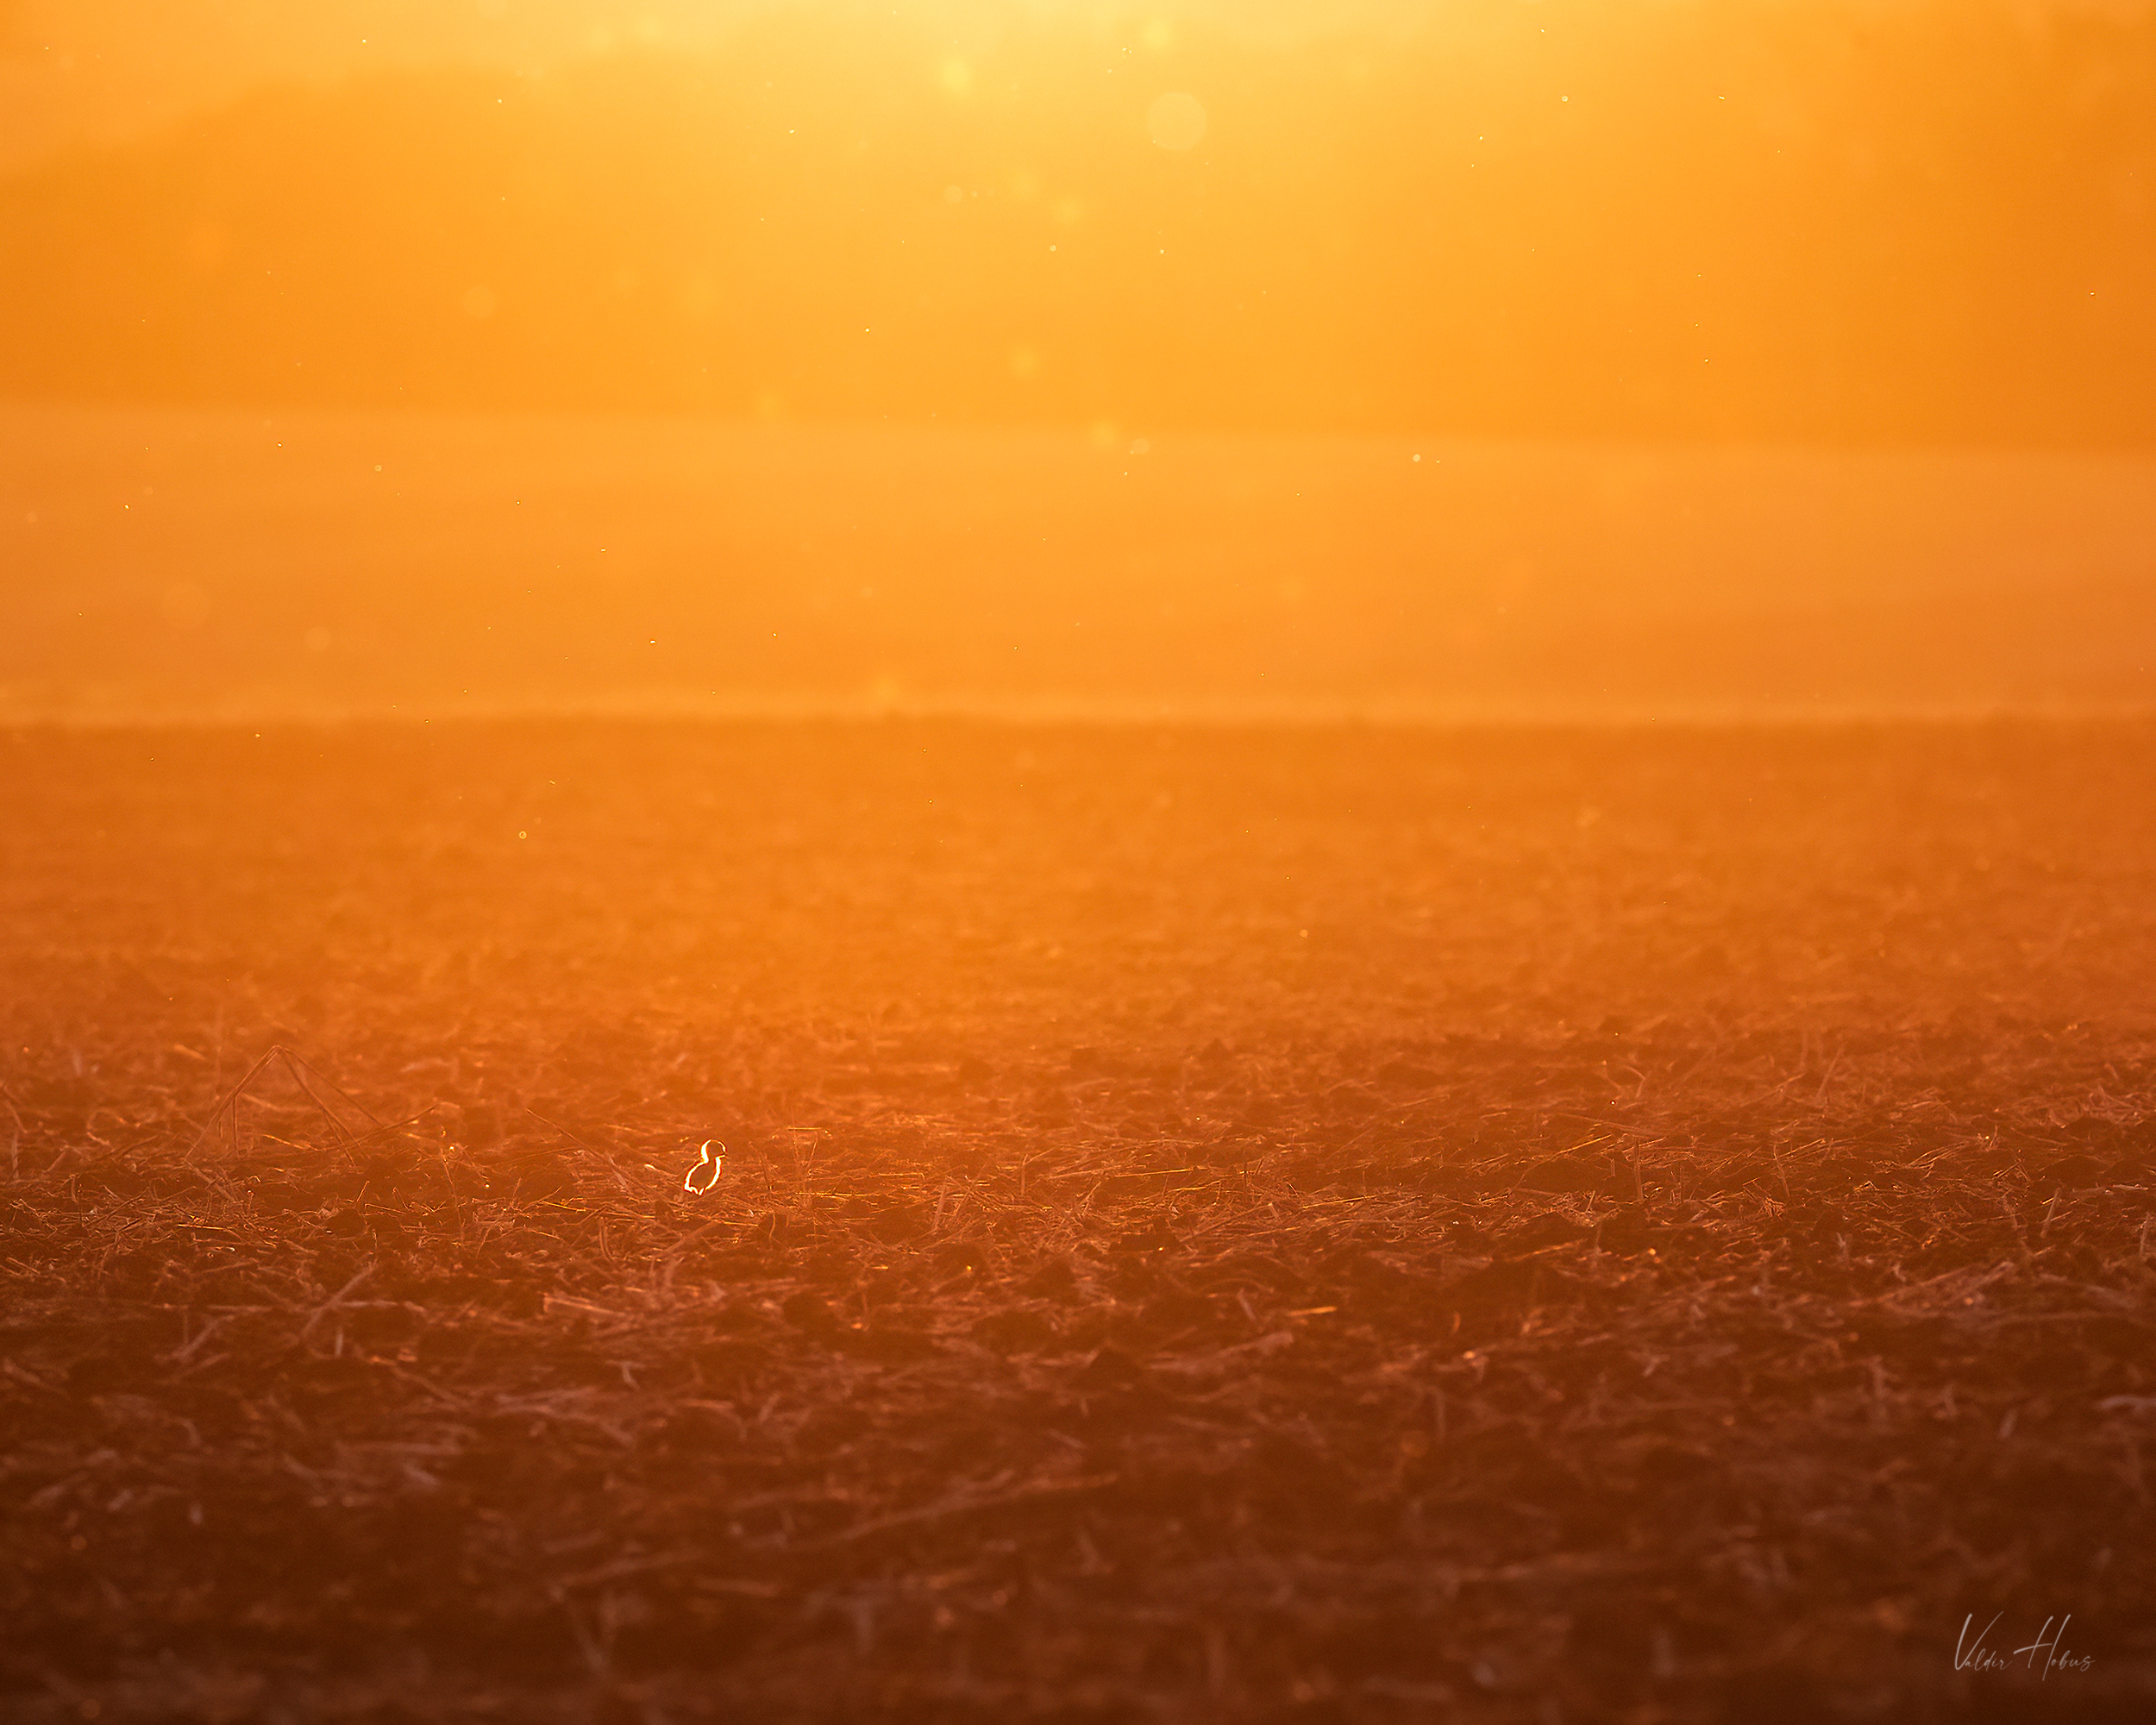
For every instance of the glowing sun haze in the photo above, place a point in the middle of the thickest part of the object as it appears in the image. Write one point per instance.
(1031, 350)
(1841, 221)
(71, 70)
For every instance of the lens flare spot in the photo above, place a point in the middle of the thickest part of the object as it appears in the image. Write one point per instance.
(1176, 121)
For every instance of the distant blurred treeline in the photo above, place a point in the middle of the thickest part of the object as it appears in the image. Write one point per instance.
(1836, 222)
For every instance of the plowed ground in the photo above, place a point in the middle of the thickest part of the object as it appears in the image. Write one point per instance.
(1305, 1225)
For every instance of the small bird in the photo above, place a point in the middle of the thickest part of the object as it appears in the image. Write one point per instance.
(705, 1175)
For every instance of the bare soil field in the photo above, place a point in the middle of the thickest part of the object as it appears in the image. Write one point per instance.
(1307, 1223)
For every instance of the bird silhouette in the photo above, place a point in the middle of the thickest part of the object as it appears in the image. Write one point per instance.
(710, 1157)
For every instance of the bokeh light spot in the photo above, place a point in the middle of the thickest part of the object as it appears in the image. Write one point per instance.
(1176, 121)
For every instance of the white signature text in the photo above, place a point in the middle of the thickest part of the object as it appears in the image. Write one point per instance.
(1976, 1656)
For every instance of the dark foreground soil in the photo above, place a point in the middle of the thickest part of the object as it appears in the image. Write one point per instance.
(1312, 1226)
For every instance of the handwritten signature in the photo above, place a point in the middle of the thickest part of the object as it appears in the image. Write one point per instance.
(1975, 1656)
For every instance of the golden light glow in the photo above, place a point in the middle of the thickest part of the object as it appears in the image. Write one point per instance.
(1388, 761)
(1365, 357)
(1742, 220)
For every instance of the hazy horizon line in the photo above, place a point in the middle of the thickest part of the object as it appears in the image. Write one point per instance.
(1053, 712)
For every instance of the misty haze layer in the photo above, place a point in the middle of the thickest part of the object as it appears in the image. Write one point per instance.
(192, 564)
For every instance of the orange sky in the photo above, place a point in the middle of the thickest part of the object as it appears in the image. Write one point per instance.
(76, 70)
(1845, 224)
(1839, 220)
